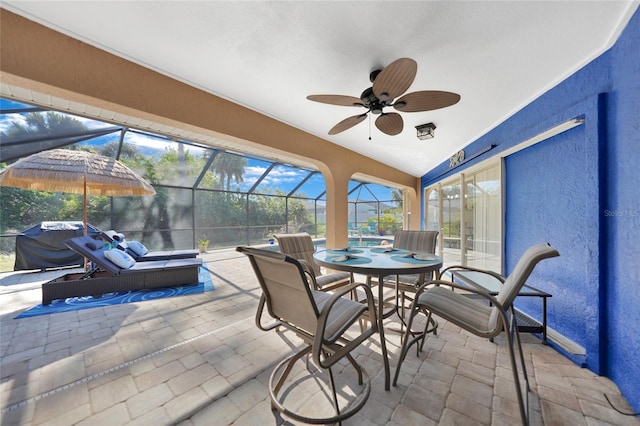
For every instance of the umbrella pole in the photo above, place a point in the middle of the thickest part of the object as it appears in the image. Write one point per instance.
(84, 206)
(84, 216)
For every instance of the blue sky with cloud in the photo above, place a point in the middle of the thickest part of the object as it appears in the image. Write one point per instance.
(282, 177)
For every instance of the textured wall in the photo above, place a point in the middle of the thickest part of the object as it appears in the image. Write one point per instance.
(553, 193)
(622, 215)
(580, 191)
(545, 202)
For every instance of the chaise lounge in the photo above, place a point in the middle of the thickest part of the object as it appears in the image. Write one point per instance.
(140, 253)
(107, 276)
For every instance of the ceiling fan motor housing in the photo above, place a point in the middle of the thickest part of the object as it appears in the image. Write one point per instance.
(371, 101)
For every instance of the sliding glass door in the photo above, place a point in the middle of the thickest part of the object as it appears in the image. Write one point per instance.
(467, 210)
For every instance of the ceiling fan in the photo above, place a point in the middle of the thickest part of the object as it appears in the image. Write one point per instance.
(388, 84)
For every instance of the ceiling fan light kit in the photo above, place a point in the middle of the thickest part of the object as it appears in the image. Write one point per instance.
(426, 131)
(388, 84)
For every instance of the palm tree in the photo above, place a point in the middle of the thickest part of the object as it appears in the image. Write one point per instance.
(37, 124)
(229, 166)
(396, 196)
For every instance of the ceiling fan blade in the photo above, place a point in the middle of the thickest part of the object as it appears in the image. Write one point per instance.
(426, 100)
(336, 100)
(347, 123)
(390, 123)
(395, 79)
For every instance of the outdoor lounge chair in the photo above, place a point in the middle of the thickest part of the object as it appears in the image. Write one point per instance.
(107, 277)
(300, 246)
(145, 255)
(321, 319)
(486, 319)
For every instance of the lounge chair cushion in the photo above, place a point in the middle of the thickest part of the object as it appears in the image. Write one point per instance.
(120, 258)
(143, 254)
(81, 246)
(137, 247)
(115, 235)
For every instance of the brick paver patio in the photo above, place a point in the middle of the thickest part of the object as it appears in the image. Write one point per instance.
(200, 360)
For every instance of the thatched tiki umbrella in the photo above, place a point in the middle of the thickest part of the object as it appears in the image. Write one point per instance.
(77, 172)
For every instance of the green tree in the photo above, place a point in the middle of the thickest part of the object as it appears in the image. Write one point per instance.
(396, 196)
(128, 152)
(389, 223)
(38, 124)
(268, 213)
(229, 167)
(21, 208)
(157, 215)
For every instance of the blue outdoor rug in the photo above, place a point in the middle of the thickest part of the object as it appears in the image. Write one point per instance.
(76, 303)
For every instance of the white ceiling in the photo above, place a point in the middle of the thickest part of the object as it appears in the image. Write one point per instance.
(269, 56)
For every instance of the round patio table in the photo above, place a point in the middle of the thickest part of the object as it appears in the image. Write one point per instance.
(380, 262)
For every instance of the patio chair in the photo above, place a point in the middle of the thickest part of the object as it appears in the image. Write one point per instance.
(482, 319)
(320, 319)
(300, 246)
(422, 242)
(417, 242)
(108, 277)
(141, 254)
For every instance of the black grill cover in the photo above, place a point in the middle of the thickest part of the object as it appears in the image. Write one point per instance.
(42, 246)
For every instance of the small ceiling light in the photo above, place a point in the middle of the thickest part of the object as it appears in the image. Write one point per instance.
(426, 131)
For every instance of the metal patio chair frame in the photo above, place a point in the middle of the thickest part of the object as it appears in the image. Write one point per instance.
(319, 318)
(481, 319)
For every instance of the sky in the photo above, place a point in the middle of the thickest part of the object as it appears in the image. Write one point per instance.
(282, 177)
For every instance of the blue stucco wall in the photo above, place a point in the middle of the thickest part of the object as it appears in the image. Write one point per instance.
(622, 215)
(534, 194)
(580, 191)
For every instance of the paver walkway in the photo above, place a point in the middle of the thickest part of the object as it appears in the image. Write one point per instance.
(200, 360)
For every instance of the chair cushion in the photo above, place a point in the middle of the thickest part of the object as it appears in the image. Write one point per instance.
(462, 310)
(343, 314)
(137, 247)
(120, 258)
(299, 246)
(418, 241)
(332, 279)
(115, 235)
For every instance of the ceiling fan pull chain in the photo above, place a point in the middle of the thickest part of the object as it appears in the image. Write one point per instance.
(369, 127)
